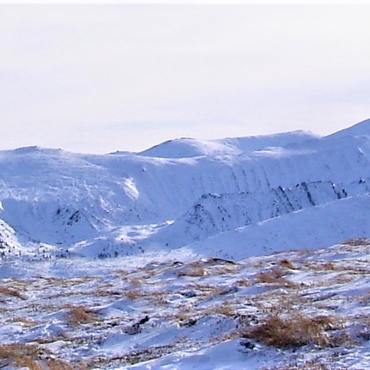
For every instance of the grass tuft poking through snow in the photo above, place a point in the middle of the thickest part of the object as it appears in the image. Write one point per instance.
(292, 331)
(81, 315)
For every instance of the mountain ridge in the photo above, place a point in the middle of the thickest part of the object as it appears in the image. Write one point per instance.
(189, 147)
(127, 203)
(361, 128)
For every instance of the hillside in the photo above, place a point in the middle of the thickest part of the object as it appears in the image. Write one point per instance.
(183, 191)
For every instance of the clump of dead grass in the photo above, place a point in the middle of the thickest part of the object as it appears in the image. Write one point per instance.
(26, 322)
(133, 294)
(56, 364)
(292, 331)
(81, 315)
(225, 309)
(329, 322)
(21, 355)
(270, 276)
(32, 357)
(193, 270)
(136, 281)
(244, 282)
(286, 264)
(273, 276)
(4, 290)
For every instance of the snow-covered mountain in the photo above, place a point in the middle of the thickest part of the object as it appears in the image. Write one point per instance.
(241, 196)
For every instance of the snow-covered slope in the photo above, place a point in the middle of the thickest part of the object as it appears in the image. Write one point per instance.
(215, 214)
(360, 129)
(184, 191)
(309, 228)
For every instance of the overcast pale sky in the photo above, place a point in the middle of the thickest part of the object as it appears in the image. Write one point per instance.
(99, 78)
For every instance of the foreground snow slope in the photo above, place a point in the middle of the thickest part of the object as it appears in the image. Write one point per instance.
(188, 312)
(182, 191)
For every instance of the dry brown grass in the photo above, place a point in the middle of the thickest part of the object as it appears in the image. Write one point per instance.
(193, 270)
(244, 282)
(204, 288)
(108, 293)
(307, 365)
(21, 355)
(344, 279)
(33, 358)
(274, 276)
(223, 270)
(65, 282)
(133, 294)
(364, 299)
(158, 299)
(24, 321)
(51, 339)
(258, 264)
(292, 331)
(286, 264)
(225, 309)
(330, 266)
(81, 315)
(355, 242)
(182, 316)
(29, 363)
(121, 272)
(4, 290)
(136, 282)
(21, 284)
(55, 364)
(270, 276)
(329, 322)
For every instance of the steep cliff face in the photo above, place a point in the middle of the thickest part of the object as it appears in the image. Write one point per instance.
(178, 192)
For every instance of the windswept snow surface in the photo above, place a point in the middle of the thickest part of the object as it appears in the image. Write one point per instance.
(188, 312)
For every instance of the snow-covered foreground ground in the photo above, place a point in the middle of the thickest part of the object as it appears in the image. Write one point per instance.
(306, 309)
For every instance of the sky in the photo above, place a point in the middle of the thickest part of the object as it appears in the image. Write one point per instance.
(97, 78)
